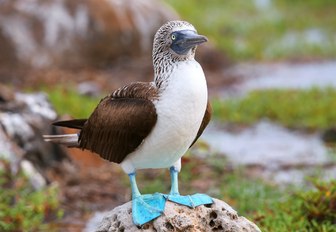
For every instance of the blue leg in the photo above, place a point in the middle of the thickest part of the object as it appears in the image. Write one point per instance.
(174, 181)
(145, 207)
(191, 201)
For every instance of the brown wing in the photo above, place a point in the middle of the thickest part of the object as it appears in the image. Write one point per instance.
(120, 122)
(205, 122)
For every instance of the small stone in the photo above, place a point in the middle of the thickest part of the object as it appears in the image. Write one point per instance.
(218, 217)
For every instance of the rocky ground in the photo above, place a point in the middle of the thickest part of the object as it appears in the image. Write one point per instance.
(218, 216)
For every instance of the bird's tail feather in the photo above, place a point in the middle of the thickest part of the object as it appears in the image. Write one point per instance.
(69, 140)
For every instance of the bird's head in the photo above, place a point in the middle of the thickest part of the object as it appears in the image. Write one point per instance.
(176, 40)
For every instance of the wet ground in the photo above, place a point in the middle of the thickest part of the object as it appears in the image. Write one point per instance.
(282, 155)
(305, 75)
(289, 76)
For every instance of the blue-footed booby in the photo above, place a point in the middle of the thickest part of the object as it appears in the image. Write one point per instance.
(151, 124)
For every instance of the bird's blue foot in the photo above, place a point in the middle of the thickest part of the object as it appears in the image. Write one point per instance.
(191, 201)
(147, 207)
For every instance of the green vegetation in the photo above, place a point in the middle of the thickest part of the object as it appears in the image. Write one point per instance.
(68, 101)
(274, 209)
(21, 207)
(313, 210)
(310, 109)
(283, 29)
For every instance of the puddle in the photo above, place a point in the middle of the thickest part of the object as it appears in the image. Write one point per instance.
(268, 145)
(279, 152)
(286, 76)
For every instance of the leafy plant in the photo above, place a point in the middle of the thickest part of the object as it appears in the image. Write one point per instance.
(313, 210)
(319, 205)
(21, 207)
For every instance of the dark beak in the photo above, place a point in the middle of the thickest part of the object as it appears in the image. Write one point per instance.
(186, 40)
(191, 38)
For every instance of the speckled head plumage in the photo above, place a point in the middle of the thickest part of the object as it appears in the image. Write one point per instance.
(162, 38)
(175, 41)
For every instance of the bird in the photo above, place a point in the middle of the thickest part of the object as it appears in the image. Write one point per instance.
(151, 125)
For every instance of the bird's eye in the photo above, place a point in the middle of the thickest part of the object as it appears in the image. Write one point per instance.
(173, 37)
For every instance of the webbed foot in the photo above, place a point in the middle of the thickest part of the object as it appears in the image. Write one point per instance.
(191, 201)
(147, 207)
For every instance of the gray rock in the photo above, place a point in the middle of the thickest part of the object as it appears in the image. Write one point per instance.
(217, 217)
(24, 118)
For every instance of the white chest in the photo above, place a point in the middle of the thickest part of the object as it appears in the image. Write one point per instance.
(182, 104)
(180, 111)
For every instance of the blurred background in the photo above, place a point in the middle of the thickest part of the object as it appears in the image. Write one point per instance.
(271, 70)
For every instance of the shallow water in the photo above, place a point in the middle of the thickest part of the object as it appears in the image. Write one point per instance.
(284, 156)
(267, 144)
(286, 76)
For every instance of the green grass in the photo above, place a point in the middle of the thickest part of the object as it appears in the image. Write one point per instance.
(67, 101)
(242, 31)
(311, 109)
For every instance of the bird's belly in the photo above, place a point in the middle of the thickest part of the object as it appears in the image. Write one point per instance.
(170, 139)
